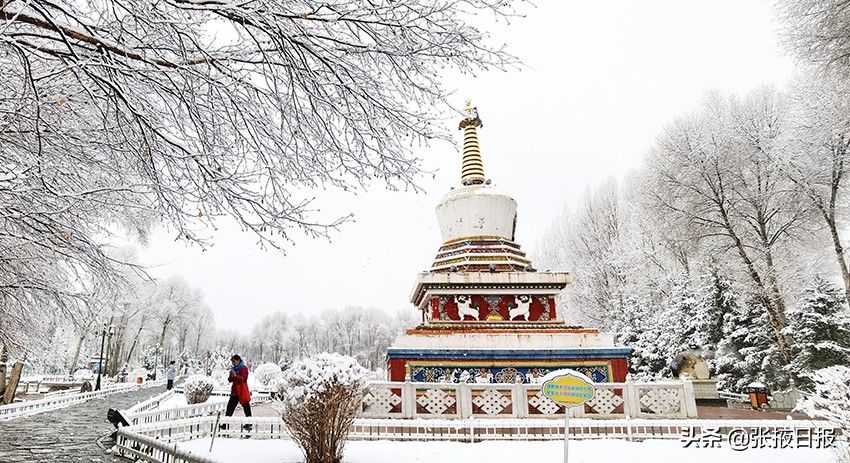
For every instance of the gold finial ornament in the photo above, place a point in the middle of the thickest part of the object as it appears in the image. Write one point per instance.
(472, 168)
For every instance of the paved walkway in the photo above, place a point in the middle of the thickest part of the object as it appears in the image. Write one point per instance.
(67, 435)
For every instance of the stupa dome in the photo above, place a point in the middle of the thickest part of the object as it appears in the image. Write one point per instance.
(477, 221)
(476, 211)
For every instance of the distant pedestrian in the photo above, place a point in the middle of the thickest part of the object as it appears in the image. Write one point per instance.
(239, 393)
(170, 375)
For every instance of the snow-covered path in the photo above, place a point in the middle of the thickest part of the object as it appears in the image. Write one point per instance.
(583, 451)
(66, 435)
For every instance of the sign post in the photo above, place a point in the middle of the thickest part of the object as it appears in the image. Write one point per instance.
(568, 388)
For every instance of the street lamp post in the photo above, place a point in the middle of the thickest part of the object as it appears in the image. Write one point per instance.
(100, 358)
(155, 359)
(101, 361)
(109, 333)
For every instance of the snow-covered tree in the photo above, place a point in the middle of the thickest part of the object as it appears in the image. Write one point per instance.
(748, 351)
(355, 331)
(815, 155)
(710, 170)
(319, 399)
(122, 113)
(586, 240)
(830, 400)
(635, 326)
(816, 32)
(820, 326)
(267, 373)
(150, 359)
(720, 298)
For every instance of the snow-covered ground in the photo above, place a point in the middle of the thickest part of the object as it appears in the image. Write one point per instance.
(584, 451)
(179, 400)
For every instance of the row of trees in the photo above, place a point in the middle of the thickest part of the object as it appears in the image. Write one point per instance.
(152, 322)
(729, 238)
(361, 333)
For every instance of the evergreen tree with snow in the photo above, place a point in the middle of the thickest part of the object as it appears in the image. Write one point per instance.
(830, 400)
(820, 327)
(719, 298)
(747, 352)
(693, 319)
(679, 324)
(634, 325)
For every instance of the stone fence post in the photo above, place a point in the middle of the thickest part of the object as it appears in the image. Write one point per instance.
(464, 396)
(689, 405)
(519, 401)
(408, 400)
(632, 398)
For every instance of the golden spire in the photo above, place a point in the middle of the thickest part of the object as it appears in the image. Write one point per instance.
(472, 168)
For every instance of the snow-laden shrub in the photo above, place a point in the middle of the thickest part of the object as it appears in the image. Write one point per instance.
(831, 401)
(220, 376)
(266, 373)
(197, 389)
(319, 398)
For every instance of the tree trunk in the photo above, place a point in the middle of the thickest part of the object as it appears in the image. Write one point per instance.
(12, 387)
(72, 367)
(117, 352)
(839, 255)
(771, 299)
(164, 329)
(136, 338)
(4, 357)
(198, 341)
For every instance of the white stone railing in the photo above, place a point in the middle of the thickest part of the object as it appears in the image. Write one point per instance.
(189, 411)
(147, 412)
(673, 399)
(20, 409)
(140, 447)
(151, 403)
(157, 442)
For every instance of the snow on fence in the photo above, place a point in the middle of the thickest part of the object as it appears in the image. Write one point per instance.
(147, 412)
(225, 392)
(189, 411)
(139, 447)
(156, 442)
(152, 403)
(733, 396)
(672, 399)
(20, 409)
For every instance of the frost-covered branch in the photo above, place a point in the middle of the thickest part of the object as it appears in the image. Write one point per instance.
(183, 112)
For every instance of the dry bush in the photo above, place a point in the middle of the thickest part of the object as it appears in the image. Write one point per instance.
(197, 389)
(319, 399)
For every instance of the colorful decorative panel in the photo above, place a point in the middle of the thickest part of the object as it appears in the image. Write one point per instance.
(474, 307)
(449, 372)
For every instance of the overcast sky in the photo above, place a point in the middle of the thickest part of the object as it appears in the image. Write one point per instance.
(602, 79)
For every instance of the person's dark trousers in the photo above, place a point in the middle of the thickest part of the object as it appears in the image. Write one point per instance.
(169, 385)
(231, 406)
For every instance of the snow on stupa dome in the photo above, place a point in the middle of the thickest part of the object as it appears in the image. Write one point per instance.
(476, 211)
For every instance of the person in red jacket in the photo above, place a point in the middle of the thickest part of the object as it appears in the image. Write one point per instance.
(239, 393)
